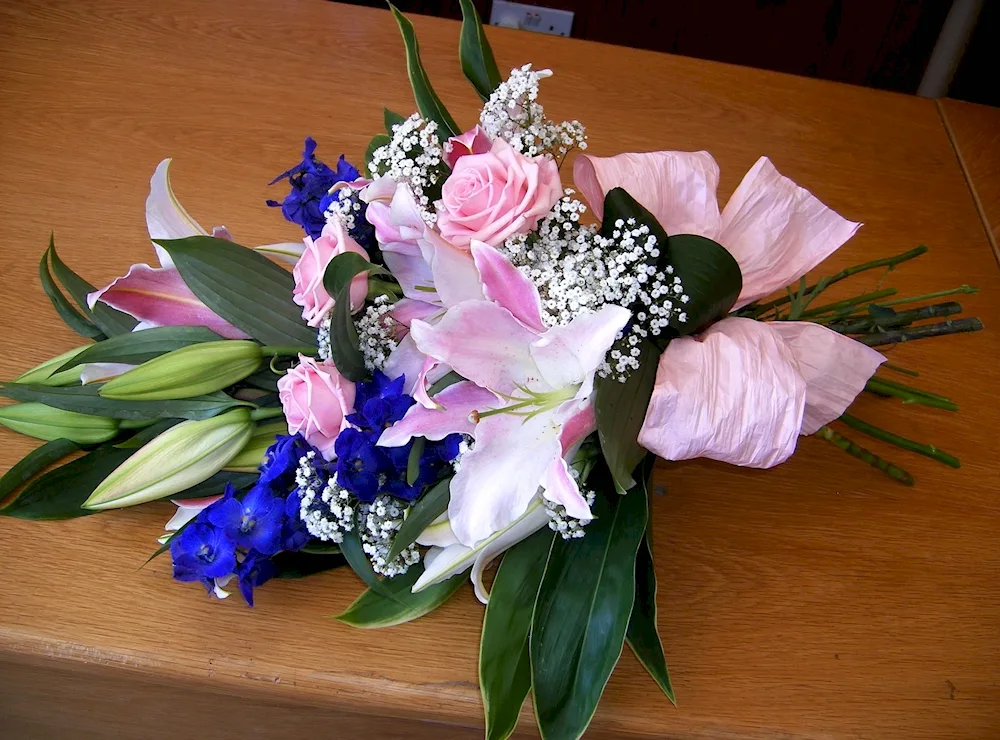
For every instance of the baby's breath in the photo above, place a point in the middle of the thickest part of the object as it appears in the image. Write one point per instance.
(376, 330)
(324, 507)
(415, 156)
(380, 520)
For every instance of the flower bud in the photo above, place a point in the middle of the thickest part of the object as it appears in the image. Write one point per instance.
(183, 456)
(44, 422)
(186, 372)
(250, 458)
(44, 371)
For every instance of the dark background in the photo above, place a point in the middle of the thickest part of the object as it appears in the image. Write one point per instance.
(877, 43)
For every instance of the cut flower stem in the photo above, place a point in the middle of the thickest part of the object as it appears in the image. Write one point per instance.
(902, 442)
(852, 448)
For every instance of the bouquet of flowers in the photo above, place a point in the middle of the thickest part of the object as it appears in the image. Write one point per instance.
(467, 361)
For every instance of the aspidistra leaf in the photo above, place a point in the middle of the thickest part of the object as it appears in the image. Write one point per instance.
(111, 321)
(582, 610)
(642, 635)
(135, 348)
(70, 316)
(242, 286)
(396, 604)
(475, 54)
(504, 660)
(428, 103)
(32, 464)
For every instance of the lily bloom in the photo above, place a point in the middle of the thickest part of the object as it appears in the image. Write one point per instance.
(157, 296)
(743, 390)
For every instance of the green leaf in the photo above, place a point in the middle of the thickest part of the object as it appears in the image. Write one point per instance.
(428, 508)
(428, 103)
(111, 321)
(302, 564)
(242, 286)
(390, 119)
(355, 555)
(475, 54)
(378, 141)
(620, 409)
(146, 434)
(217, 484)
(59, 493)
(582, 611)
(375, 609)
(85, 399)
(413, 460)
(33, 463)
(135, 348)
(504, 660)
(710, 276)
(642, 635)
(70, 316)
(344, 348)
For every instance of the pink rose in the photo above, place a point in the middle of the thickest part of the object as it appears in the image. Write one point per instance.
(309, 270)
(492, 196)
(316, 398)
(473, 141)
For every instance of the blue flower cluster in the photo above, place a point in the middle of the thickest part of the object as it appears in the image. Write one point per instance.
(239, 535)
(365, 469)
(310, 196)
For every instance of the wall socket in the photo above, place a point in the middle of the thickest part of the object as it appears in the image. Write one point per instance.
(531, 18)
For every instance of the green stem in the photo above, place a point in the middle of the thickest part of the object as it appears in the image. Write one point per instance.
(851, 448)
(926, 331)
(898, 369)
(900, 318)
(907, 444)
(288, 351)
(848, 302)
(259, 414)
(914, 391)
(929, 296)
(883, 387)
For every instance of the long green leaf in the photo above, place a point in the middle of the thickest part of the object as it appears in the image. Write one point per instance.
(642, 635)
(345, 350)
(217, 484)
(430, 506)
(373, 609)
(111, 321)
(582, 611)
(355, 555)
(504, 660)
(60, 493)
(620, 409)
(85, 399)
(428, 103)
(33, 463)
(135, 348)
(475, 54)
(242, 286)
(70, 316)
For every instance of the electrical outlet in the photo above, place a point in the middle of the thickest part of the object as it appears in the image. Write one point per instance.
(531, 18)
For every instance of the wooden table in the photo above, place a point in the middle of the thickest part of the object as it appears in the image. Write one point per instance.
(975, 132)
(818, 599)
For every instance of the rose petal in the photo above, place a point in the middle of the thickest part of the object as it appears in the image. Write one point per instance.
(778, 231)
(733, 394)
(834, 367)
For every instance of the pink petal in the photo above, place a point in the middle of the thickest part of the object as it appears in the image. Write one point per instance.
(560, 488)
(733, 394)
(456, 278)
(507, 286)
(577, 427)
(501, 474)
(165, 216)
(412, 272)
(778, 231)
(407, 309)
(420, 389)
(483, 342)
(834, 367)
(677, 187)
(99, 372)
(455, 404)
(188, 509)
(160, 297)
(405, 360)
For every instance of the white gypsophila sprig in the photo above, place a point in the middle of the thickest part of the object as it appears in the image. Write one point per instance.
(376, 329)
(464, 447)
(578, 271)
(324, 507)
(380, 520)
(323, 338)
(569, 528)
(415, 156)
(346, 207)
(514, 114)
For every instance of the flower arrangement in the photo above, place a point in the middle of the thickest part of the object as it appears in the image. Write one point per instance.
(467, 363)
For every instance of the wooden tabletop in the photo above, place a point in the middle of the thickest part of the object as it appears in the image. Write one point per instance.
(975, 132)
(818, 599)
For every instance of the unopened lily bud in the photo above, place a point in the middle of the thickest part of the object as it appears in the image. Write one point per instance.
(250, 458)
(187, 372)
(44, 371)
(44, 422)
(183, 456)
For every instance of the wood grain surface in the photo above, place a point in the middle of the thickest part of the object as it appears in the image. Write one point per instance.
(818, 599)
(975, 132)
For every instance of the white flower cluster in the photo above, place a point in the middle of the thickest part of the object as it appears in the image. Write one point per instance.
(375, 333)
(514, 114)
(559, 521)
(380, 520)
(415, 156)
(323, 338)
(347, 207)
(464, 447)
(325, 509)
(578, 271)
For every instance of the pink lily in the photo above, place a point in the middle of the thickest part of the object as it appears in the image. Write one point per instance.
(742, 391)
(157, 296)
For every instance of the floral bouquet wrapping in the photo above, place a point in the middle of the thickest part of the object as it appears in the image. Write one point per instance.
(466, 365)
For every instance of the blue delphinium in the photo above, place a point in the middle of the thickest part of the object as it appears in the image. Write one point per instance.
(311, 181)
(253, 523)
(202, 552)
(255, 570)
